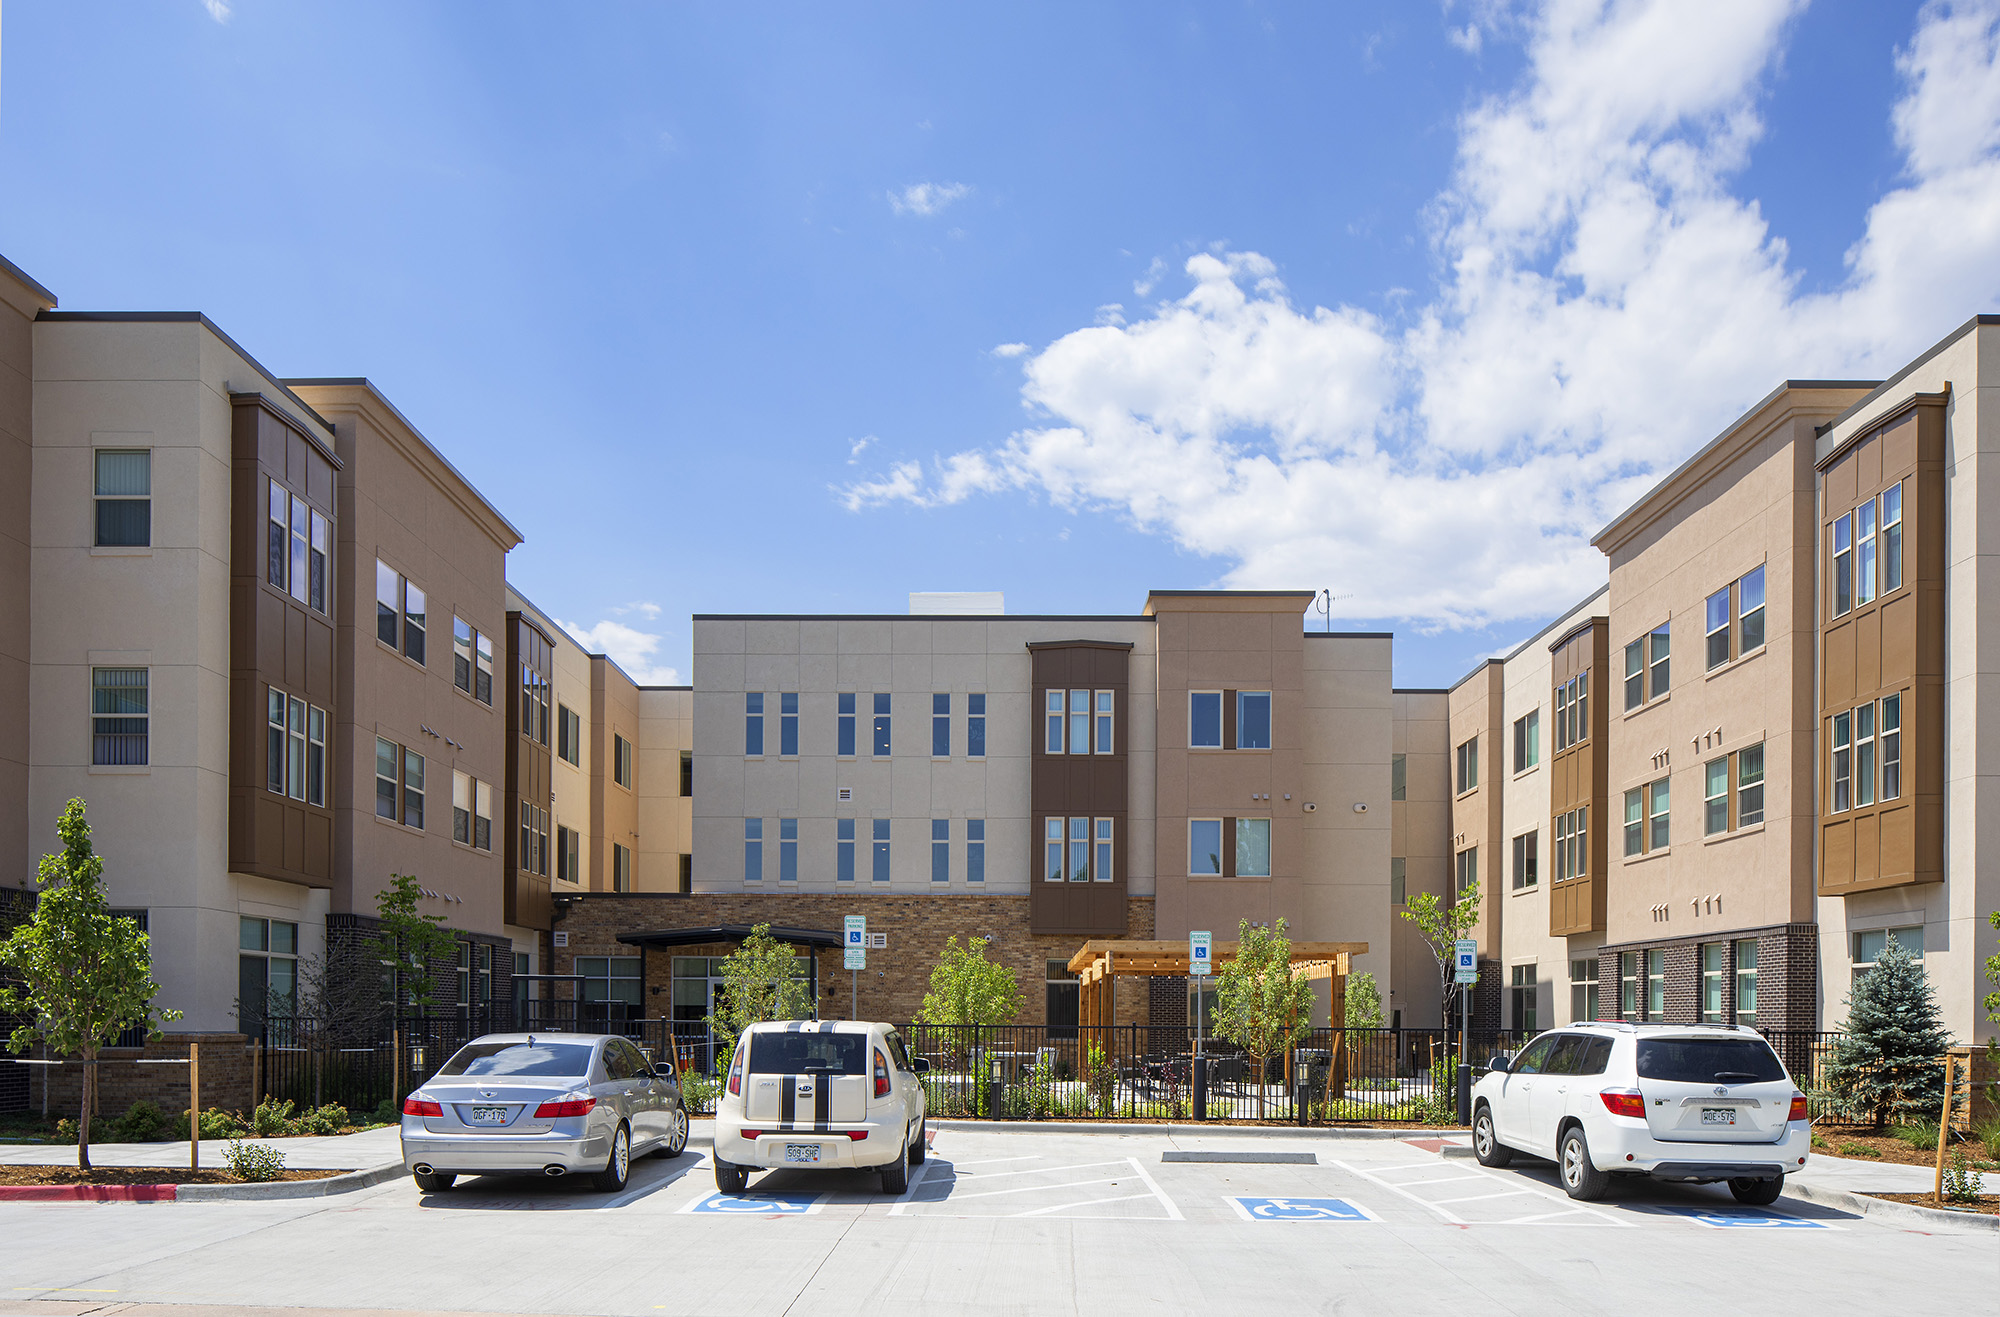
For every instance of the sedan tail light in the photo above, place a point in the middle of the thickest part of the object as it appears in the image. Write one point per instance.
(1625, 1102)
(881, 1075)
(416, 1106)
(569, 1106)
(1799, 1111)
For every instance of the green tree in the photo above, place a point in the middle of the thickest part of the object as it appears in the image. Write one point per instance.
(1992, 999)
(1442, 924)
(410, 946)
(1364, 1002)
(761, 980)
(1260, 1005)
(1889, 1063)
(968, 989)
(86, 975)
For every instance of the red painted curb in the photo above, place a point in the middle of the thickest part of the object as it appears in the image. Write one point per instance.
(87, 1193)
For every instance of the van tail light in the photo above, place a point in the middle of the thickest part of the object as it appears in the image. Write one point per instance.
(1799, 1111)
(569, 1106)
(1625, 1102)
(736, 1074)
(416, 1106)
(881, 1074)
(856, 1135)
(750, 1134)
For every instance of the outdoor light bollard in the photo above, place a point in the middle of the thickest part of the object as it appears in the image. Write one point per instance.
(1302, 1093)
(996, 1088)
(1200, 1078)
(1464, 1092)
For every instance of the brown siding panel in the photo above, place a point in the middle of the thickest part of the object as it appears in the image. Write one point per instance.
(1065, 785)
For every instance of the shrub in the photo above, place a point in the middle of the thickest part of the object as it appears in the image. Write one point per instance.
(1919, 1135)
(253, 1161)
(1961, 1183)
(65, 1130)
(1859, 1150)
(1886, 1066)
(270, 1119)
(323, 1121)
(215, 1123)
(143, 1123)
(698, 1092)
(387, 1112)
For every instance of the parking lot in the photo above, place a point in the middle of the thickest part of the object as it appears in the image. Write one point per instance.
(1024, 1220)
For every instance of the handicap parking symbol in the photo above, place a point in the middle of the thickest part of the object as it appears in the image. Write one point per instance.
(771, 1204)
(1299, 1209)
(1752, 1219)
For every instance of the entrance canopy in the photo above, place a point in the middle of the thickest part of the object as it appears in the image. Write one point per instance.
(693, 937)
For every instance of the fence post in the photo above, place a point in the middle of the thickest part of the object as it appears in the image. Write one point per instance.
(194, 1106)
(1944, 1130)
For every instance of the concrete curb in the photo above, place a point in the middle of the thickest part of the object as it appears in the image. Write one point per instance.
(1191, 1127)
(332, 1184)
(1885, 1210)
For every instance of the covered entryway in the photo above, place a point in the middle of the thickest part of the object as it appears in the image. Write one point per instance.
(695, 979)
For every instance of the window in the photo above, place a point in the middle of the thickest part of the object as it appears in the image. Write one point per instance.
(1583, 990)
(1843, 565)
(533, 856)
(610, 979)
(881, 850)
(124, 490)
(120, 717)
(1843, 761)
(461, 807)
(940, 850)
(1053, 853)
(940, 726)
(482, 674)
(461, 654)
(1521, 990)
(843, 850)
(399, 604)
(753, 850)
(1714, 965)
(844, 727)
(276, 704)
(1749, 785)
(1399, 871)
(1750, 611)
(1572, 711)
(881, 725)
(1864, 552)
(1656, 983)
(621, 761)
(482, 815)
(975, 726)
(534, 693)
(1205, 847)
(1399, 777)
(1253, 720)
(1572, 846)
(1628, 985)
(278, 535)
(1635, 821)
(1892, 750)
(1718, 628)
(1467, 869)
(1657, 815)
(788, 725)
(1253, 848)
(788, 850)
(1101, 869)
(1525, 875)
(687, 874)
(1468, 765)
(1060, 1000)
(569, 846)
(569, 735)
(1079, 722)
(753, 724)
(1635, 675)
(1746, 981)
(1528, 740)
(1864, 754)
(387, 756)
(1106, 722)
(975, 850)
(1715, 796)
(267, 968)
(1079, 850)
(1892, 538)
(687, 774)
(1205, 720)
(1562, 698)
(1659, 641)
(1869, 946)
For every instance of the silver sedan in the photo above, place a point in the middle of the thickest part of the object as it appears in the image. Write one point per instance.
(554, 1104)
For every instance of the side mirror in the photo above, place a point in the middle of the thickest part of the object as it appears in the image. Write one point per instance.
(1498, 1063)
(919, 1065)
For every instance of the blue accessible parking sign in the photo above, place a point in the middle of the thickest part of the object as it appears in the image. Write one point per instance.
(771, 1204)
(1299, 1209)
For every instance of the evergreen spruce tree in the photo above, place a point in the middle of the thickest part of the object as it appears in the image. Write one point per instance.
(1890, 1062)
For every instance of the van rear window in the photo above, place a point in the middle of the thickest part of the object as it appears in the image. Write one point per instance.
(1709, 1061)
(796, 1053)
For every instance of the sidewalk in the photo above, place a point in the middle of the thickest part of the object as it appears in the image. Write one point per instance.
(1855, 1176)
(345, 1152)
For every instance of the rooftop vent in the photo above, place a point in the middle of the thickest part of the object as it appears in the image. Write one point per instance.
(961, 602)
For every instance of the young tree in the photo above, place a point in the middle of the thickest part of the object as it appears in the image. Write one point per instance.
(968, 989)
(1364, 1002)
(760, 981)
(410, 945)
(1890, 1061)
(1260, 1005)
(1442, 924)
(1992, 999)
(85, 973)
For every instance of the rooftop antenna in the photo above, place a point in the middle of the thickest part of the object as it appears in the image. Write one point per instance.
(1325, 602)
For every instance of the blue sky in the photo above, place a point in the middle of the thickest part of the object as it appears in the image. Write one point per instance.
(801, 308)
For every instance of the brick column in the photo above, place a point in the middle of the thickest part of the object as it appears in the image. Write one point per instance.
(1683, 1004)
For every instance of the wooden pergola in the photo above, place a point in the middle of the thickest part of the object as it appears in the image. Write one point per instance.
(1099, 964)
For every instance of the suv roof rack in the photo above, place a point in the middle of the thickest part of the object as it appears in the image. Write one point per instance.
(1633, 1026)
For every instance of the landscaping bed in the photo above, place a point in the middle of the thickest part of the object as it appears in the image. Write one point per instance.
(1988, 1204)
(39, 1175)
(1861, 1144)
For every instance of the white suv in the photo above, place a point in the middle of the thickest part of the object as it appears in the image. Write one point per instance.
(1689, 1103)
(822, 1094)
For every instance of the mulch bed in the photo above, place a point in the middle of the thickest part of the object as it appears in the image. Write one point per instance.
(20, 1175)
(1857, 1142)
(1988, 1204)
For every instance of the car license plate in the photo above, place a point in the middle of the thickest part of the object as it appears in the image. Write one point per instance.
(801, 1152)
(1718, 1115)
(489, 1115)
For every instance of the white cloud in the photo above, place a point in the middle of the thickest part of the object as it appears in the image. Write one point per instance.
(631, 649)
(648, 611)
(217, 10)
(1011, 350)
(1605, 304)
(858, 447)
(926, 198)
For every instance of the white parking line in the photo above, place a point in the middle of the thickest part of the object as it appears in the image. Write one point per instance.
(1033, 1188)
(1476, 1198)
(1129, 1169)
(1088, 1202)
(1591, 1216)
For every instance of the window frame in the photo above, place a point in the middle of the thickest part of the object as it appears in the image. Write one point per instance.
(114, 724)
(788, 724)
(621, 761)
(788, 850)
(1892, 540)
(1745, 611)
(1217, 853)
(940, 725)
(1193, 721)
(940, 851)
(753, 849)
(1237, 849)
(1718, 633)
(879, 852)
(1465, 870)
(1245, 700)
(753, 724)
(1742, 973)
(1526, 847)
(1715, 797)
(1528, 740)
(1104, 722)
(846, 717)
(882, 730)
(975, 725)
(1466, 775)
(844, 842)
(975, 851)
(120, 499)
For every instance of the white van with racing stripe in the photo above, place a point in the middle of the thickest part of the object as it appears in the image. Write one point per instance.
(820, 1094)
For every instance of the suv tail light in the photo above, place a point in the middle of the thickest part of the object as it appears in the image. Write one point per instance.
(1799, 1111)
(569, 1106)
(881, 1074)
(1625, 1102)
(416, 1106)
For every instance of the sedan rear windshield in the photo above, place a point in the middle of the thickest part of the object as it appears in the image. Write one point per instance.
(796, 1053)
(529, 1060)
(1709, 1061)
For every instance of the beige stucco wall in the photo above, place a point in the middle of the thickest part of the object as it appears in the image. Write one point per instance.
(20, 299)
(1345, 739)
(1420, 832)
(614, 713)
(666, 817)
(1476, 826)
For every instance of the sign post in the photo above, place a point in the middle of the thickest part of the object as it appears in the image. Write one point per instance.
(1200, 966)
(854, 948)
(1465, 963)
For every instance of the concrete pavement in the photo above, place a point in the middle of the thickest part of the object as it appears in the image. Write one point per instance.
(345, 1152)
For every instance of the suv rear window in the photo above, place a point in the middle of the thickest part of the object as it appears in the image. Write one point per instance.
(796, 1053)
(544, 1060)
(1709, 1060)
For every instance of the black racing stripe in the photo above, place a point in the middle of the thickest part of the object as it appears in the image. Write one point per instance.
(822, 1104)
(795, 1026)
(826, 1026)
(788, 1105)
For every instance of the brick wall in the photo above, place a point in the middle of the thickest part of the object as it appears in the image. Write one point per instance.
(16, 907)
(891, 988)
(1169, 997)
(225, 1077)
(1787, 977)
(1683, 984)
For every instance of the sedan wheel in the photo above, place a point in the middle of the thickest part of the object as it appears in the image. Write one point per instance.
(677, 1141)
(1489, 1150)
(433, 1182)
(619, 1166)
